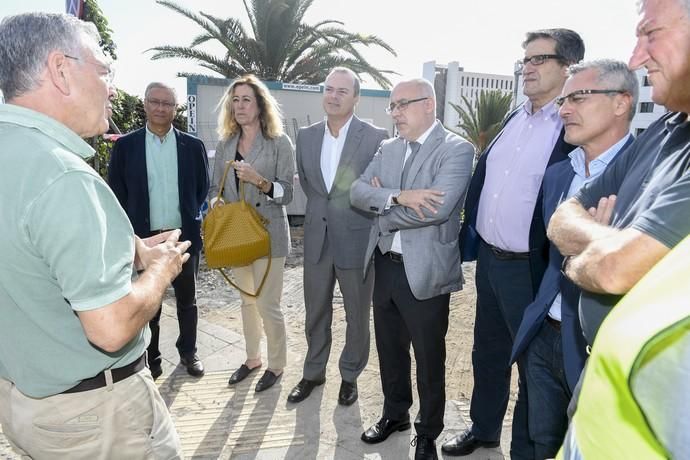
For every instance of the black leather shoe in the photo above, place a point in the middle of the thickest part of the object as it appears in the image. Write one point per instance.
(156, 371)
(193, 365)
(303, 389)
(426, 448)
(348, 393)
(266, 381)
(240, 374)
(465, 443)
(379, 431)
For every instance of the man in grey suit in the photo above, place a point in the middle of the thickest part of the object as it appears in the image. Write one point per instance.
(330, 155)
(416, 185)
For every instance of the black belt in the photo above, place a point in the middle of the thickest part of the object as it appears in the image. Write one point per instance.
(502, 254)
(158, 232)
(119, 374)
(554, 323)
(394, 256)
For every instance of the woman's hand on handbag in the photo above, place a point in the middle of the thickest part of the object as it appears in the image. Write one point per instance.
(246, 172)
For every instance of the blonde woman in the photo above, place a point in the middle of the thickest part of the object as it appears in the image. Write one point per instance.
(262, 156)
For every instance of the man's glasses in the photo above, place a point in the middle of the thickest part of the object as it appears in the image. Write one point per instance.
(109, 71)
(158, 103)
(402, 104)
(576, 97)
(539, 59)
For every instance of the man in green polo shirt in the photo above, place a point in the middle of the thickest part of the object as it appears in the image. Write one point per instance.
(72, 338)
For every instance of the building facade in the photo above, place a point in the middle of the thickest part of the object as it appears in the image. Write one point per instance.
(452, 83)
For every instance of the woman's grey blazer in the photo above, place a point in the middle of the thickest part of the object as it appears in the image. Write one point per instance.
(273, 159)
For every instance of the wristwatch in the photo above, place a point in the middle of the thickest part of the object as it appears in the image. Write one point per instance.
(262, 183)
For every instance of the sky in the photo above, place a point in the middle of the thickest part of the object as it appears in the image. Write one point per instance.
(483, 36)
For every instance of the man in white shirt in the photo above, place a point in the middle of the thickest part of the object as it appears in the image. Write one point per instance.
(330, 155)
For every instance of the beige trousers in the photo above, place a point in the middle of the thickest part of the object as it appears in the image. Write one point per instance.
(265, 308)
(126, 420)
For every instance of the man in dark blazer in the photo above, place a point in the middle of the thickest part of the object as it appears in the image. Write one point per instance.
(416, 185)
(550, 337)
(160, 176)
(504, 231)
(330, 155)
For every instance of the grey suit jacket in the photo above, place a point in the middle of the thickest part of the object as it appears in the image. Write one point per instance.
(272, 159)
(429, 245)
(348, 227)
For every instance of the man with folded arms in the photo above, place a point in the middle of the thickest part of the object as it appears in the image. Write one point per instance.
(73, 381)
(597, 106)
(416, 185)
(619, 225)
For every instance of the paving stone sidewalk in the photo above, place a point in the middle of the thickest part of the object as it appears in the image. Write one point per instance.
(216, 421)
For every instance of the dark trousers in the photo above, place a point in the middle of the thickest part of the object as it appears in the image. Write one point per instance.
(185, 296)
(401, 319)
(548, 392)
(504, 289)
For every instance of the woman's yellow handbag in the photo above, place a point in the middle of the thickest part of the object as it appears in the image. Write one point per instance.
(235, 235)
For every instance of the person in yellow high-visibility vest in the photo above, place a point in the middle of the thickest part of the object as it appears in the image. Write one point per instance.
(635, 399)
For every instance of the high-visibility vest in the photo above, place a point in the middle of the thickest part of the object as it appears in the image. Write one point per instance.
(608, 423)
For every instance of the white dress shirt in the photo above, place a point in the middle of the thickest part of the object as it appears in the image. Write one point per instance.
(331, 150)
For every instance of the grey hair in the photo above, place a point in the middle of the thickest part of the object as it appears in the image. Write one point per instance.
(355, 78)
(161, 85)
(684, 3)
(615, 74)
(27, 39)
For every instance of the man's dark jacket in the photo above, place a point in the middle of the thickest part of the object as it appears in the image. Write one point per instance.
(127, 176)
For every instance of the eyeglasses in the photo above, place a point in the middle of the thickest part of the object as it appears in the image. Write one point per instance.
(109, 71)
(539, 59)
(576, 96)
(158, 103)
(402, 104)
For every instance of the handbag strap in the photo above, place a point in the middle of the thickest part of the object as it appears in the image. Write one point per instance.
(222, 183)
(261, 285)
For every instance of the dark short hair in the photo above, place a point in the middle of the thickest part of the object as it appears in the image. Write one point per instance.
(569, 44)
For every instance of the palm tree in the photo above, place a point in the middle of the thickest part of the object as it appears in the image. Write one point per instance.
(482, 122)
(280, 46)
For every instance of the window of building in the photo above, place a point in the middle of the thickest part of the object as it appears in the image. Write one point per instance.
(646, 107)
